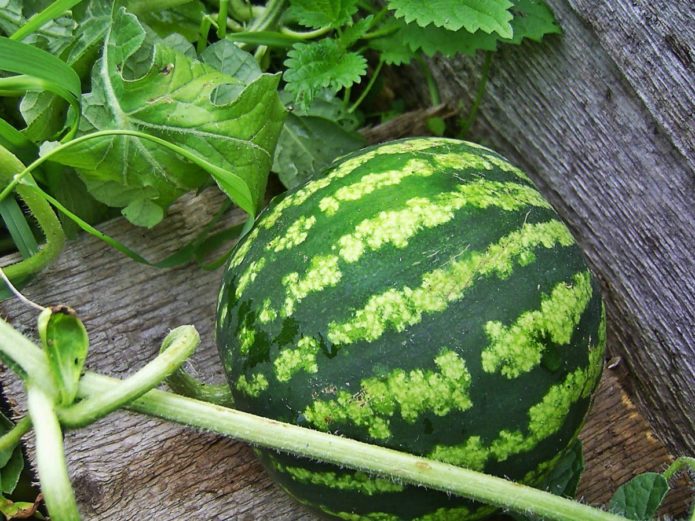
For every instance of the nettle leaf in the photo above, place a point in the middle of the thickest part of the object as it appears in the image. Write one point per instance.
(533, 19)
(436, 40)
(394, 49)
(308, 144)
(141, 84)
(322, 13)
(472, 15)
(640, 498)
(354, 32)
(321, 65)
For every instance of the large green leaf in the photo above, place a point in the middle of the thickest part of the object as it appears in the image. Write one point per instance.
(141, 84)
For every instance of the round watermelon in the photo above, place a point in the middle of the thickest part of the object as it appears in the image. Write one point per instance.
(421, 295)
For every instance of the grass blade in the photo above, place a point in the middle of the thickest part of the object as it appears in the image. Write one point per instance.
(54, 10)
(20, 231)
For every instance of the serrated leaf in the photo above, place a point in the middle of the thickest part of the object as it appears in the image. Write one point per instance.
(226, 57)
(322, 13)
(394, 49)
(307, 145)
(487, 16)
(436, 40)
(321, 65)
(639, 499)
(354, 32)
(140, 84)
(533, 19)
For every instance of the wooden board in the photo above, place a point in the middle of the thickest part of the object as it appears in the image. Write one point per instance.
(128, 466)
(603, 119)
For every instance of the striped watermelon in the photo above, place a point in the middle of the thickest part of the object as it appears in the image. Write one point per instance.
(420, 295)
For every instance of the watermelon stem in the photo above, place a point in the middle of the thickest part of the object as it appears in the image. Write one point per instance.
(346, 452)
(31, 363)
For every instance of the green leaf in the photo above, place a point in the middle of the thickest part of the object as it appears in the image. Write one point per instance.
(65, 341)
(11, 17)
(18, 227)
(436, 40)
(140, 84)
(11, 460)
(307, 145)
(183, 19)
(312, 67)
(564, 478)
(228, 58)
(533, 19)
(487, 16)
(10, 473)
(143, 212)
(322, 13)
(354, 32)
(640, 498)
(394, 49)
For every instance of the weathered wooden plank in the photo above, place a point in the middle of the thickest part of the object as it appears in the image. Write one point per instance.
(128, 466)
(601, 118)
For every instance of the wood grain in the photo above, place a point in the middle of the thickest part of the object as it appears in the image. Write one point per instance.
(602, 119)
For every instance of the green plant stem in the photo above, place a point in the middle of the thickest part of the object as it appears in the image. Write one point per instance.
(679, 464)
(315, 444)
(25, 358)
(305, 35)
(44, 214)
(267, 19)
(346, 452)
(177, 347)
(368, 88)
(467, 122)
(13, 437)
(50, 457)
(241, 10)
(183, 383)
(222, 18)
(435, 98)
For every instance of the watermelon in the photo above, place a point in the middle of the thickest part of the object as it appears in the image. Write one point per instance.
(421, 295)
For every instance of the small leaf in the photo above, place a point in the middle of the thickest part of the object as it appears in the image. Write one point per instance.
(472, 15)
(639, 499)
(322, 13)
(564, 478)
(321, 65)
(65, 341)
(228, 58)
(354, 32)
(143, 212)
(533, 19)
(10, 473)
(307, 145)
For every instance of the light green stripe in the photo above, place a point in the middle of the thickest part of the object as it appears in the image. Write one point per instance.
(323, 272)
(397, 309)
(294, 235)
(253, 387)
(545, 418)
(357, 481)
(410, 393)
(519, 348)
(397, 227)
(290, 361)
(346, 167)
(244, 248)
(372, 182)
(249, 275)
